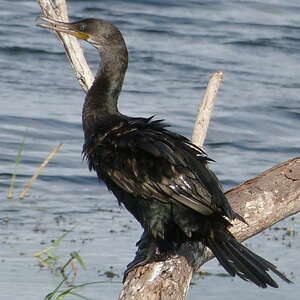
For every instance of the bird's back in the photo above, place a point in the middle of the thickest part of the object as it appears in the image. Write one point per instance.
(160, 176)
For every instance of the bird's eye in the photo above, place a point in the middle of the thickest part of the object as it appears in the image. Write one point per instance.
(82, 27)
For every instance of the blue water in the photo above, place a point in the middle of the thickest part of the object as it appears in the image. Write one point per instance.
(174, 47)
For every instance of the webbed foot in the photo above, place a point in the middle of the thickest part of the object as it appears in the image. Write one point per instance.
(146, 250)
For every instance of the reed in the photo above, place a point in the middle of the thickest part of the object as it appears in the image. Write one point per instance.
(10, 194)
(39, 170)
(68, 270)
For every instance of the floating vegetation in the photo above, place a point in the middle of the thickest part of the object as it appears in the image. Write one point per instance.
(285, 234)
(202, 274)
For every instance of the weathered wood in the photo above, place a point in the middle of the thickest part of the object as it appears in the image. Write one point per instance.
(206, 108)
(262, 201)
(57, 10)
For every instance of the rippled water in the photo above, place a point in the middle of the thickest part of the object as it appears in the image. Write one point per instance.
(174, 46)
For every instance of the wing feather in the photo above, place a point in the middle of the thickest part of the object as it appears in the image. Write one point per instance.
(148, 161)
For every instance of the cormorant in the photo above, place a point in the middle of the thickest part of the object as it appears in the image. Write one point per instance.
(158, 175)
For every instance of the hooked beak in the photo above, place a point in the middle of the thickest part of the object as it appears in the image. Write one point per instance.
(58, 26)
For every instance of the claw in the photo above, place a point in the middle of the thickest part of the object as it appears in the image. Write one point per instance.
(146, 250)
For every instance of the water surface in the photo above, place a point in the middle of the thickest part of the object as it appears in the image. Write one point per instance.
(174, 47)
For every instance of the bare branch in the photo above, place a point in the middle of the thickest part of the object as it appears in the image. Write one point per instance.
(206, 108)
(57, 10)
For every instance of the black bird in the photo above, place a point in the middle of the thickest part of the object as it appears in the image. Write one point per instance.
(158, 175)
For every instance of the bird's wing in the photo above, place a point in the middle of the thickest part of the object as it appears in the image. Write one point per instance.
(146, 160)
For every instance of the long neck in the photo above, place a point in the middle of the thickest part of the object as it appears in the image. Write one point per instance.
(102, 98)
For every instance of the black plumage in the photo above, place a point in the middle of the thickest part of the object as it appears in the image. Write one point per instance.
(158, 175)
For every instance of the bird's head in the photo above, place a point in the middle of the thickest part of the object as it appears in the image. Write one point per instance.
(100, 33)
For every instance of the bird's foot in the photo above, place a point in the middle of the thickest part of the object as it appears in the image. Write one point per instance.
(146, 250)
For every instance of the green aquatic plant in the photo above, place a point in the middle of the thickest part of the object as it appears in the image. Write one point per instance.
(46, 257)
(10, 194)
(58, 294)
(67, 270)
(66, 286)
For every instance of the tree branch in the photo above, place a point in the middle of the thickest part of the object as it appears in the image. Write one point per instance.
(57, 10)
(206, 108)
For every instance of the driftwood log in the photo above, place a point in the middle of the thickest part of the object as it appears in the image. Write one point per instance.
(262, 201)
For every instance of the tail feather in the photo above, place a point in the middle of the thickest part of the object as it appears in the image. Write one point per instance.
(254, 267)
(233, 264)
(240, 261)
(222, 256)
(267, 264)
(225, 260)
